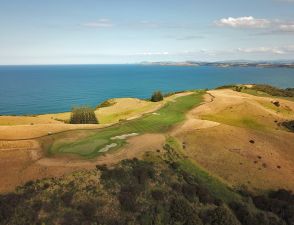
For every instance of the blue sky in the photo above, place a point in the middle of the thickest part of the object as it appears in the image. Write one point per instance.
(130, 31)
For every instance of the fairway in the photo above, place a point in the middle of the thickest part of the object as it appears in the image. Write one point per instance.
(171, 114)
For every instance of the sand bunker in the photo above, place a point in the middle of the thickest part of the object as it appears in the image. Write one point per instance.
(124, 136)
(107, 147)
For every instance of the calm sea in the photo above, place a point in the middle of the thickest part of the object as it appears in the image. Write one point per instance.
(48, 89)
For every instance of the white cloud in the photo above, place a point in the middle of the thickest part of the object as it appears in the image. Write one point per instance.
(272, 50)
(243, 22)
(152, 53)
(286, 27)
(101, 23)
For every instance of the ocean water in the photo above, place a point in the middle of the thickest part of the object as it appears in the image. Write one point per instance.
(49, 89)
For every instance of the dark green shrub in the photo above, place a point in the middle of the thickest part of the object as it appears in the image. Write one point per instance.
(118, 175)
(229, 86)
(157, 195)
(190, 191)
(157, 96)
(83, 115)
(219, 216)
(143, 172)
(67, 198)
(238, 88)
(128, 197)
(280, 203)
(273, 90)
(181, 212)
(289, 125)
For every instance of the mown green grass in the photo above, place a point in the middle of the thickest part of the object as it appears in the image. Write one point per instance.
(171, 114)
(218, 188)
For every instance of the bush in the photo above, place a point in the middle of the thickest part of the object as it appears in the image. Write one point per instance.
(128, 197)
(157, 96)
(220, 216)
(289, 125)
(280, 203)
(289, 92)
(83, 115)
(229, 86)
(106, 103)
(142, 172)
(157, 195)
(181, 212)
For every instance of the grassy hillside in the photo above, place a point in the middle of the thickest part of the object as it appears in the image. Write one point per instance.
(171, 114)
(161, 189)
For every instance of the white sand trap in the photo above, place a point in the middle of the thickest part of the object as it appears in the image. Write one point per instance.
(124, 136)
(107, 147)
(157, 114)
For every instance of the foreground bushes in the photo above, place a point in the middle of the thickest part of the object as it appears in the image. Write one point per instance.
(83, 115)
(137, 192)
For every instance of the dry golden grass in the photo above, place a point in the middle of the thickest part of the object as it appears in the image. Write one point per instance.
(225, 149)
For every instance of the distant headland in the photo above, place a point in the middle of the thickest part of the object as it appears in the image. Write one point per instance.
(224, 64)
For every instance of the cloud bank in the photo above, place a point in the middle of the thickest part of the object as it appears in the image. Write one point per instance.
(243, 22)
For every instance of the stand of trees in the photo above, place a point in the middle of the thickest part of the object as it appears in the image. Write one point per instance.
(83, 115)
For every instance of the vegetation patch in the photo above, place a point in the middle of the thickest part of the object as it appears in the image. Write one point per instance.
(156, 96)
(83, 115)
(289, 125)
(138, 192)
(106, 103)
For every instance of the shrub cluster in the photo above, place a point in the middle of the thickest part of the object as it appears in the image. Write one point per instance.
(83, 115)
(289, 125)
(157, 96)
(137, 192)
(279, 202)
(288, 92)
(106, 103)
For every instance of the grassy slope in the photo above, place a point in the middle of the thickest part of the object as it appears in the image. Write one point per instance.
(172, 113)
(216, 187)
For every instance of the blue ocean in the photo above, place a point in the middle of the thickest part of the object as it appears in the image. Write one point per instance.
(50, 89)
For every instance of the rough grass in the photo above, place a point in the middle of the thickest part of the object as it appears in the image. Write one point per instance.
(235, 120)
(171, 114)
(285, 111)
(259, 93)
(217, 188)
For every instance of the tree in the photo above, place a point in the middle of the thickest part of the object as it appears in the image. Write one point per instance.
(83, 115)
(156, 96)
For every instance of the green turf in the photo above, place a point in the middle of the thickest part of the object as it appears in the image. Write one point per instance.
(171, 114)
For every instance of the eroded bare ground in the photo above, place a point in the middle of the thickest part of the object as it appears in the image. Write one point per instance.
(257, 158)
